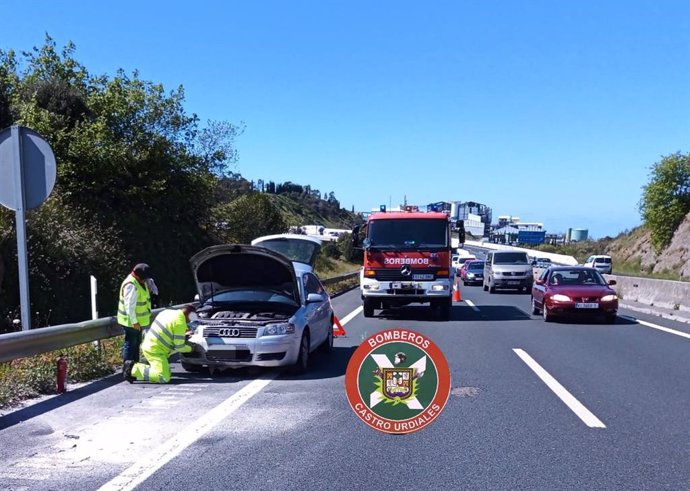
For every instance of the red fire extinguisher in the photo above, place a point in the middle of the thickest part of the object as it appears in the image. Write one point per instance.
(61, 374)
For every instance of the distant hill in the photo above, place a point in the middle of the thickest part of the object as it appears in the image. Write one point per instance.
(307, 210)
(633, 251)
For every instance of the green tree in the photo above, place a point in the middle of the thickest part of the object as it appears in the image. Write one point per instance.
(247, 218)
(666, 199)
(137, 179)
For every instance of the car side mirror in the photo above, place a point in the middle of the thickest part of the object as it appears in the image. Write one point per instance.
(316, 298)
(612, 282)
(539, 281)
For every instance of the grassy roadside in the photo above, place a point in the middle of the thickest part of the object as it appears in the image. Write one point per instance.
(31, 377)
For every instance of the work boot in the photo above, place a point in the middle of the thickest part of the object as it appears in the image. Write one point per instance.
(127, 371)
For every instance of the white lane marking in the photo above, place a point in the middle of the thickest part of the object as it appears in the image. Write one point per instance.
(575, 406)
(351, 315)
(140, 471)
(471, 304)
(656, 326)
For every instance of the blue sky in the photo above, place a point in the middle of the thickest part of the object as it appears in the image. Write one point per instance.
(552, 111)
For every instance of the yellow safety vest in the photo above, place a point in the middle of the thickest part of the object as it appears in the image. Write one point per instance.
(143, 309)
(166, 333)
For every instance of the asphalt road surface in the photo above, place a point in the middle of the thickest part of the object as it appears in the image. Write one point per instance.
(564, 405)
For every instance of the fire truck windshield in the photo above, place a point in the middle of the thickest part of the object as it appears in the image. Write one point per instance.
(408, 234)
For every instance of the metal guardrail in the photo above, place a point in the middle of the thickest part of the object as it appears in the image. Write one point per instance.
(45, 339)
(342, 277)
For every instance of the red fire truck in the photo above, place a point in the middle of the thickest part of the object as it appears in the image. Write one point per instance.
(406, 260)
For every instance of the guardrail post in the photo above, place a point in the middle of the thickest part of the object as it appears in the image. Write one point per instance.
(94, 308)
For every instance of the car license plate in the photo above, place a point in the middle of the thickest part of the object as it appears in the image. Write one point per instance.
(586, 305)
(513, 282)
(422, 276)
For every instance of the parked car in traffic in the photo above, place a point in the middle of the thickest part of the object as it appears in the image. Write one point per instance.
(541, 262)
(472, 272)
(458, 260)
(601, 263)
(258, 307)
(574, 290)
(507, 269)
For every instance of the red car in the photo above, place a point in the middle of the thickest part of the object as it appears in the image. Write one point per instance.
(574, 290)
(472, 272)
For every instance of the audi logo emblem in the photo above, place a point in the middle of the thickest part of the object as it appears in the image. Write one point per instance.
(229, 332)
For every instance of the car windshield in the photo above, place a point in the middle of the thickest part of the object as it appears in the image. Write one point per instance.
(510, 258)
(583, 277)
(603, 260)
(475, 266)
(409, 233)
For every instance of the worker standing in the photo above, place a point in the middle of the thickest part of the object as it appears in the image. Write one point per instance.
(134, 310)
(166, 336)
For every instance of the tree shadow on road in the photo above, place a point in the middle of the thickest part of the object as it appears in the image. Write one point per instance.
(32, 410)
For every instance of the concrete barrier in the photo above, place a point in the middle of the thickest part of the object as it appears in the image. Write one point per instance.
(667, 294)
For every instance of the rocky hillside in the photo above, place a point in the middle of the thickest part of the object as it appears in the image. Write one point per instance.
(634, 250)
(300, 210)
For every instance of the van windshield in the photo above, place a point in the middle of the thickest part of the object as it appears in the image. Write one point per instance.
(510, 258)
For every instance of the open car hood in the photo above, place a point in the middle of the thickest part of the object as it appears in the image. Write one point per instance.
(242, 267)
(298, 248)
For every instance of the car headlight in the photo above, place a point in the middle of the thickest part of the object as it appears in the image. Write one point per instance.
(609, 298)
(470, 275)
(560, 298)
(278, 329)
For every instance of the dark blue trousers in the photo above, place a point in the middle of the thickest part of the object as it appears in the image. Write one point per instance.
(130, 349)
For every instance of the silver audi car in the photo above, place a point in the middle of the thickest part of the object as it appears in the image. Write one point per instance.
(259, 307)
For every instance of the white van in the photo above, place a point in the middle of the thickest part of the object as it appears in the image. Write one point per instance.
(601, 263)
(507, 269)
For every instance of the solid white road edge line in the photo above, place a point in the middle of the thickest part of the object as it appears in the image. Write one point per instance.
(656, 326)
(471, 304)
(575, 406)
(142, 470)
(137, 473)
(351, 315)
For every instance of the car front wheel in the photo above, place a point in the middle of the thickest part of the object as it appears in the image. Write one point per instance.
(548, 317)
(327, 345)
(535, 309)
(190, 367)
(302, 362)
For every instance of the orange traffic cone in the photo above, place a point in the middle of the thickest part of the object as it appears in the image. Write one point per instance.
(338, 327)
(456, 294)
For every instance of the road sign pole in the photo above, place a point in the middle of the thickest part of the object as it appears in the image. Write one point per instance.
(22, 256)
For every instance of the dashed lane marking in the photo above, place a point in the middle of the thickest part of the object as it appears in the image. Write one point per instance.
(656, 326)
(568, 399)
(471, 304)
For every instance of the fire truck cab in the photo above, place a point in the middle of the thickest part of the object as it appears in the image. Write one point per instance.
(406, 260)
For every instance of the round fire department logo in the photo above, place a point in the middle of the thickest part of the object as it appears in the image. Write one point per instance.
(397, 381)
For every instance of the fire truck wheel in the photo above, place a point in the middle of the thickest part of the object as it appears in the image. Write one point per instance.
(368, 308)
(441, 309)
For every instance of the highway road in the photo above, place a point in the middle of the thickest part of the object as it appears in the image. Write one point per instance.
(565, 405)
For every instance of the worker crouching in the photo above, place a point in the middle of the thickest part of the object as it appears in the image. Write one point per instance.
(166, 336)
